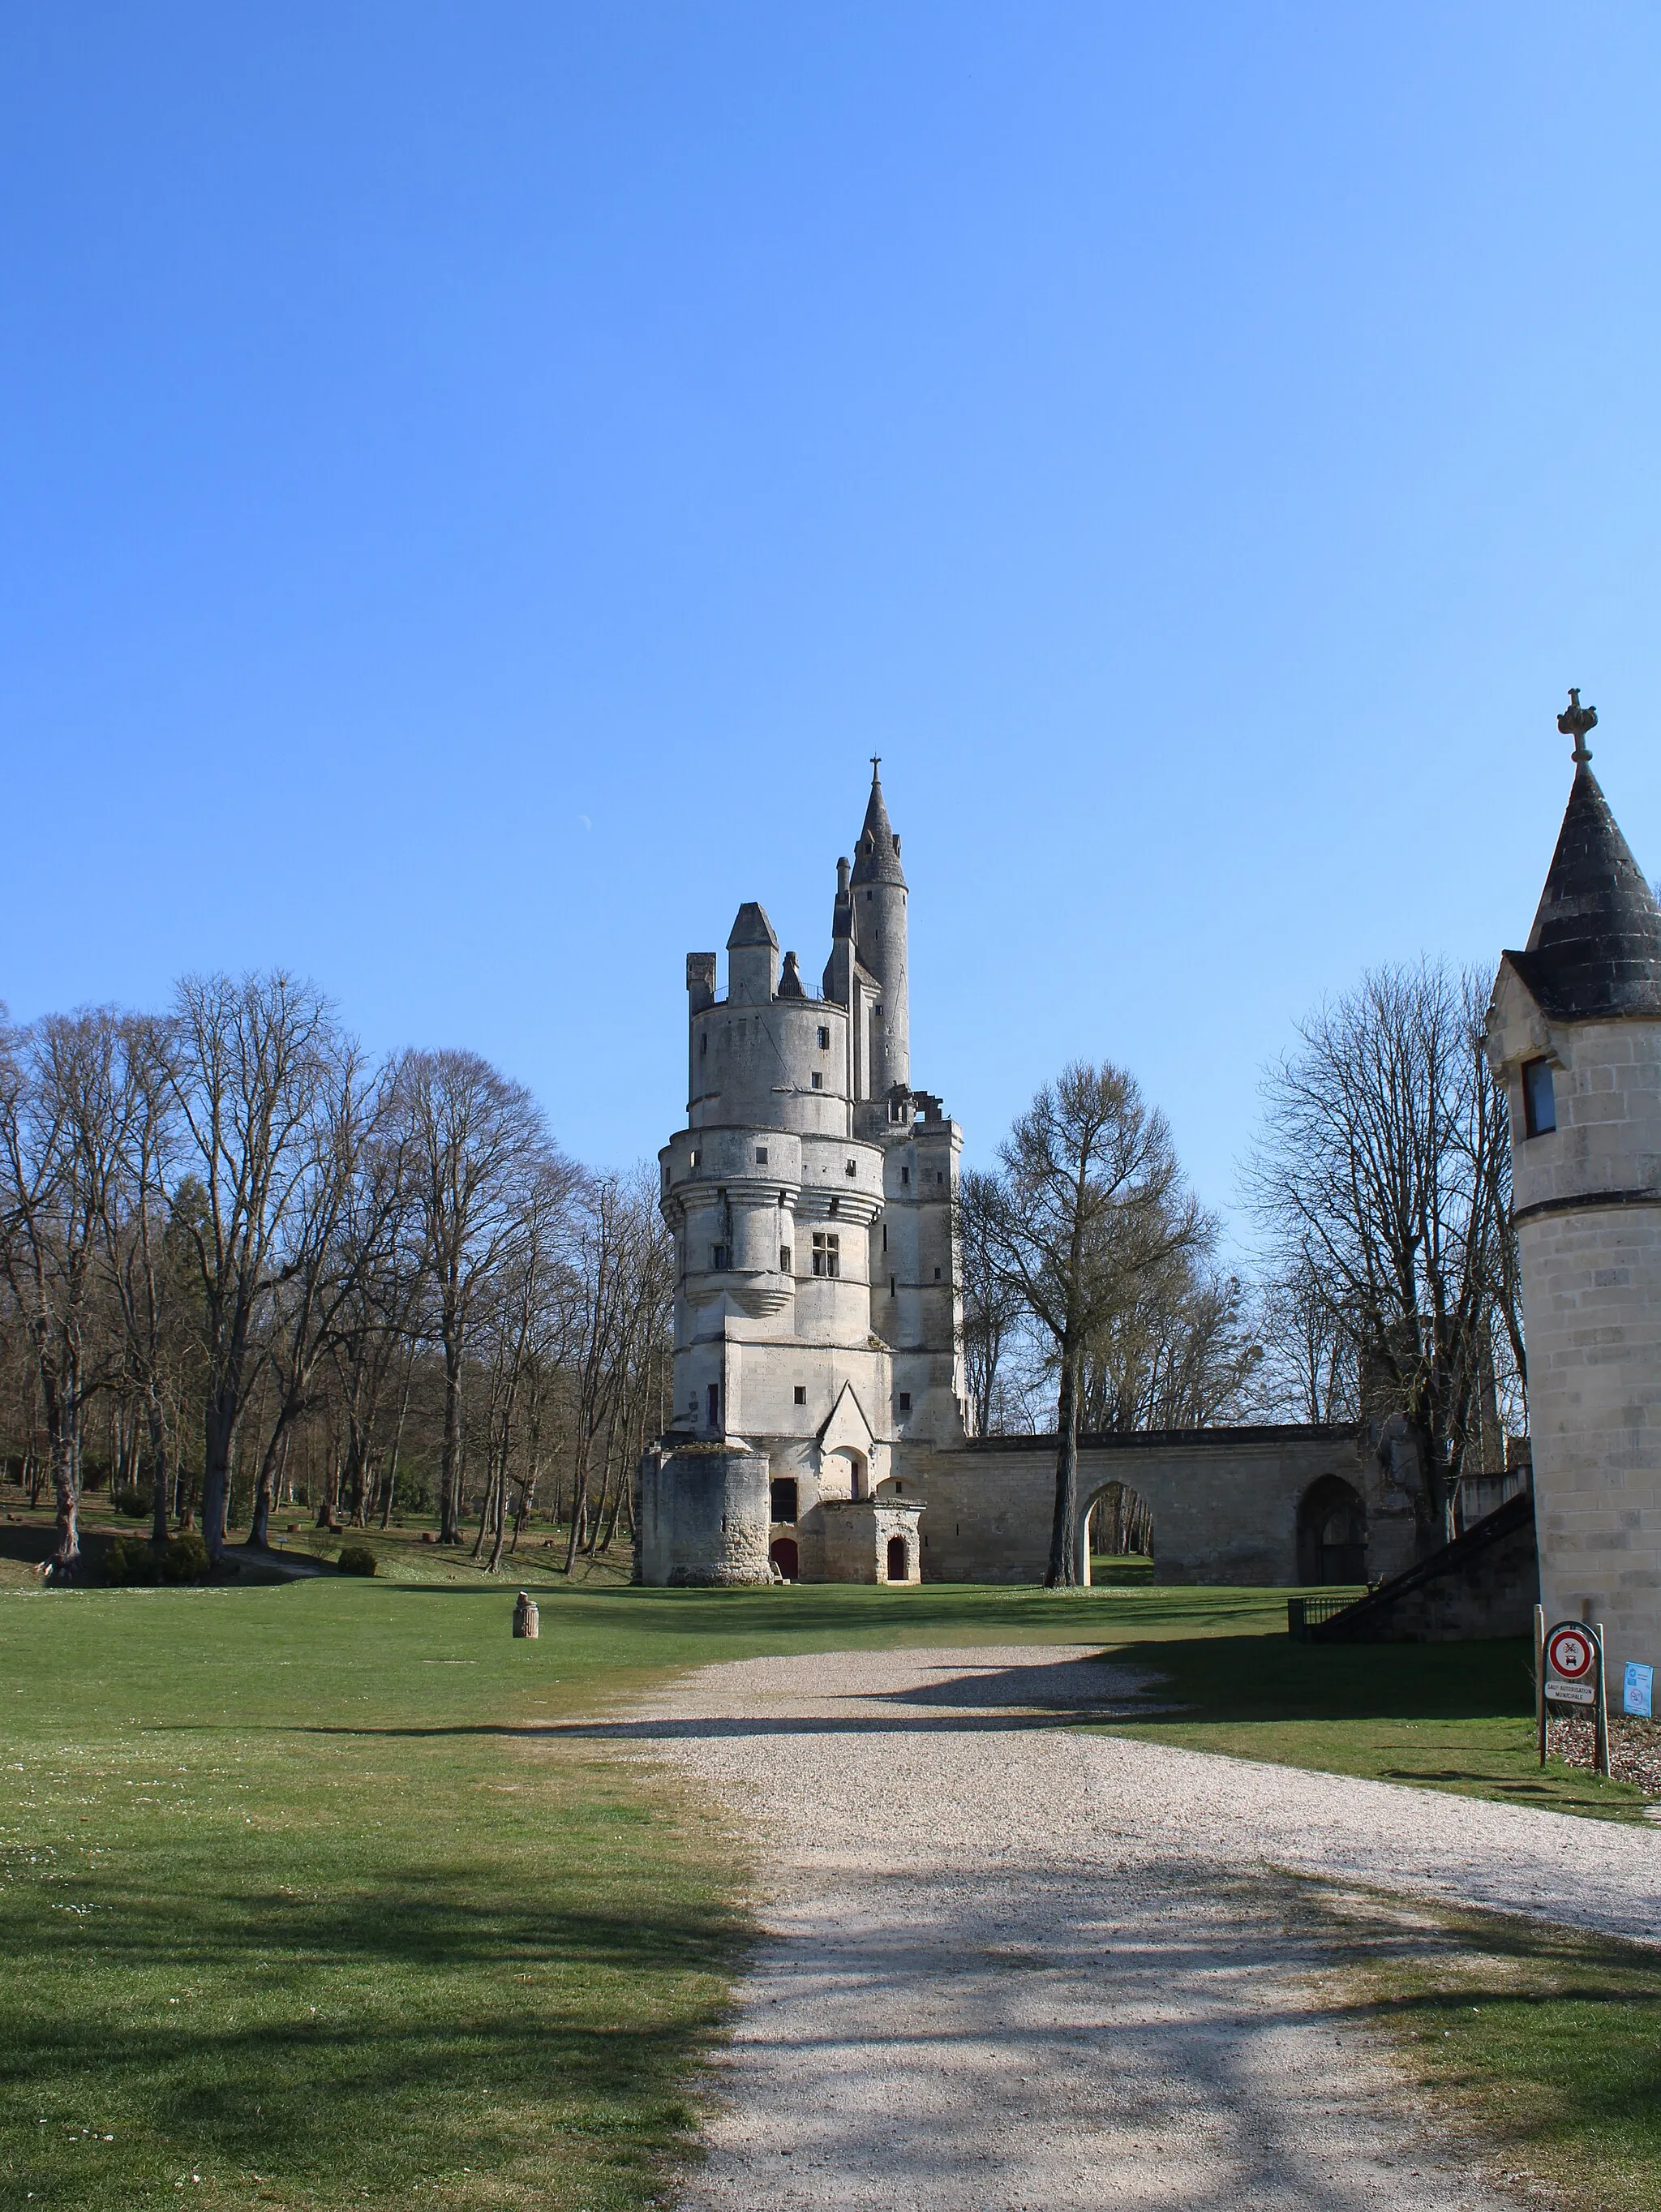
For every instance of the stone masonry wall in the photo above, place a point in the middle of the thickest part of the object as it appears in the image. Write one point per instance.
(703, 1517)
(1224, 1501)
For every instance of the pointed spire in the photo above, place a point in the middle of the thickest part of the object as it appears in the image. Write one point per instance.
(790, 983)
(876, 859)
(1595, 948)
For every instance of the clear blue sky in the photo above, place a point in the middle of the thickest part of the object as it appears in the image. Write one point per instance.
(476, 482)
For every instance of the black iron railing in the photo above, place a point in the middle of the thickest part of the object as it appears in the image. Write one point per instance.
(1305, 1613)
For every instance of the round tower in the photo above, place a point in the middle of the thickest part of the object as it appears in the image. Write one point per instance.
(878, 893)
(1575, 1033)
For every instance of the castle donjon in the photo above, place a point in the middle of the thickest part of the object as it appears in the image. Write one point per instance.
(820, 1429)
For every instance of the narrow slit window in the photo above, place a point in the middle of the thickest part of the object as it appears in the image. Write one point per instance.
(905, 1174)
(801, 1393)
(717, 1259)
(936, 1275)
(784, 1258)
(1539, 1098)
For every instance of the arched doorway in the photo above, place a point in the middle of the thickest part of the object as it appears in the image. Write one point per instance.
(1118, 1530)
(899, 1565)
(785, 1556)
(1332, 1533)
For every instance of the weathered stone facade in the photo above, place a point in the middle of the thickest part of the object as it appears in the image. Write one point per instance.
(1575, 1033)
(818, 1326)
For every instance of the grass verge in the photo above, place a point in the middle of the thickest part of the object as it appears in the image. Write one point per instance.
(1456, 1716)
(1542, 2043)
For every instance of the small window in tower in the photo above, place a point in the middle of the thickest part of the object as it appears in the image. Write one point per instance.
(876, 1013)
(835, 1207)
(715, 1405)
(784, 1258)
(885, 1236)
(1539, 1098)
(693, 1158)
(869, 896)
(905, 1174)
(940, 1175)
(936, 1275)
(818, 1080)
(853, 1168)
(801, 1393)
(905, 1402)
(760, 1156)
(893, 1288)
(703, 1044)
(826, 1252)
(824, 1040)
(718, 1258)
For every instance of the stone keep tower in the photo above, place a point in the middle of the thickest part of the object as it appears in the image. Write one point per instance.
(1575, 1033)
(818, 1316)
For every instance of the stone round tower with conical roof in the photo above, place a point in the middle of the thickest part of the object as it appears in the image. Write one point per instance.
(1575, 1033)
(878, 899)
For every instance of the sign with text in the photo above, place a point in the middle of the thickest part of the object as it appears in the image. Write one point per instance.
(1638, 1695)
(1570, 1694)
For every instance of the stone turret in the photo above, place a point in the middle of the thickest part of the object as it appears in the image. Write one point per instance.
(878, 896)
(1575, 1033)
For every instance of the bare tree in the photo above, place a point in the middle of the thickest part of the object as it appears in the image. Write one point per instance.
(993, 1308)
(251, 1071)
(59, 1157)
(1087, 1205)
(1310, 1371)
(1383, 1181)
(477, 1139)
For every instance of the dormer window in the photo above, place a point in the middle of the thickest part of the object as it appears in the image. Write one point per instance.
(1539, 1098)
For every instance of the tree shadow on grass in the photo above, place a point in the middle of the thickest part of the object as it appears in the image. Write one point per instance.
(430, 2006)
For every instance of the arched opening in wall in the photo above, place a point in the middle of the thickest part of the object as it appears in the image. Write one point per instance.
(785, 1556)
(1332, 1533)
(899, 1568)
(859, 1472)
(1118, 1536)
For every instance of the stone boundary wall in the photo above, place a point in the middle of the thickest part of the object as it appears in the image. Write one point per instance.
(1485, 1583)
(1224, 1501)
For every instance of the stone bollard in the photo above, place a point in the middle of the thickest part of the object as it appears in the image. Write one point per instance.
(526, 1619)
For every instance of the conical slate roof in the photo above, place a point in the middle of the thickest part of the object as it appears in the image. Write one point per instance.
(1594, 949)
(877, 860)
(752, 927)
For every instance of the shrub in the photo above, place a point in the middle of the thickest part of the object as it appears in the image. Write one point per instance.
(356, 1559)
(131, 1559)
(186, 1559)
(132, 1501)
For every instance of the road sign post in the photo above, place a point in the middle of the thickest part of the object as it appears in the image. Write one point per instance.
(1573, 1675)
(1540, 1678)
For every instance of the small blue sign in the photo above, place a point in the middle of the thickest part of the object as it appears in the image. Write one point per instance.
(1639, 1690)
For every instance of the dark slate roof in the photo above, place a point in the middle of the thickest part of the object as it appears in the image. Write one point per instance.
(752, 927)
(1594, 949)
(877, 860)
(790, 983)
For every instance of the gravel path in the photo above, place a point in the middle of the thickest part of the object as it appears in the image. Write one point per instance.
(1013, 1967)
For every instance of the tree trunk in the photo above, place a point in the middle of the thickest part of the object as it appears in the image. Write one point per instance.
(163, 1490)
(1063, 1566)
(450, 1465)
(67, 1557)
(218, 1429)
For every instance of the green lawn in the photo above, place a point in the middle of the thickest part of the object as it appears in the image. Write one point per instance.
(301, 1901)
(1545, 2044)
(1445, 1716)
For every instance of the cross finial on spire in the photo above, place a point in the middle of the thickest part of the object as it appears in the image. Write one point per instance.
(876, 762)
(1575, 723)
